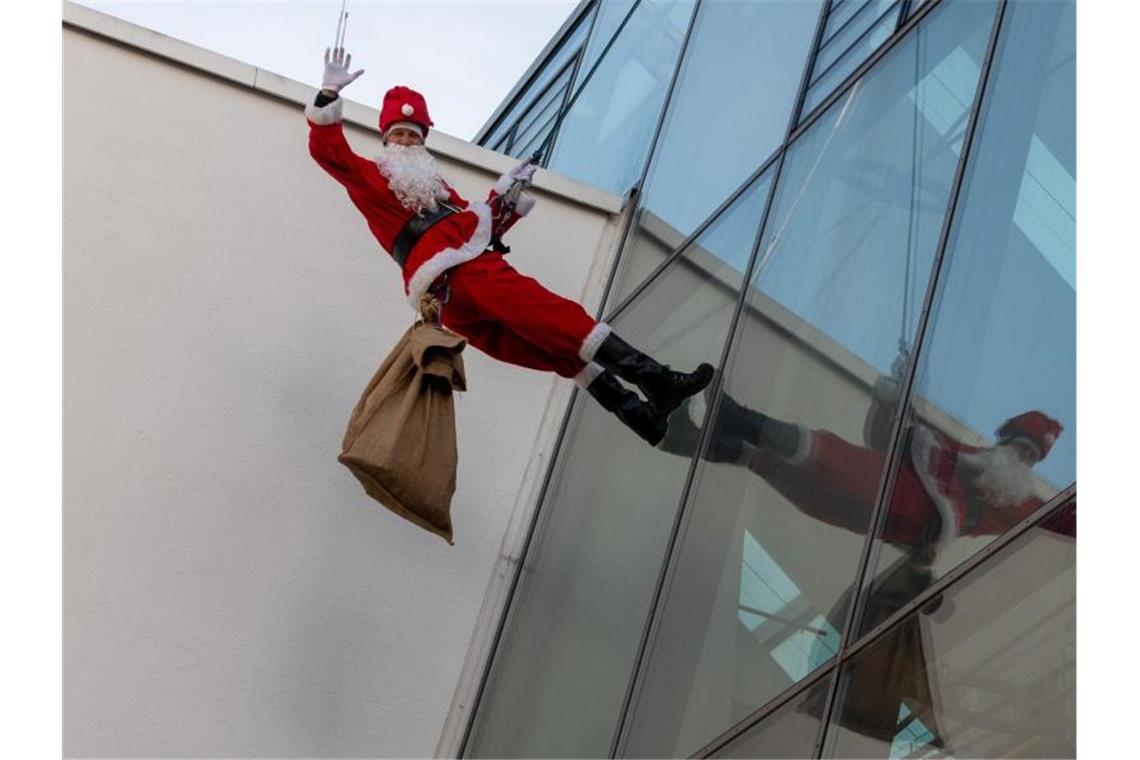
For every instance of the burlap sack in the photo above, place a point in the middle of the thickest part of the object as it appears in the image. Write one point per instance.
(400, 442)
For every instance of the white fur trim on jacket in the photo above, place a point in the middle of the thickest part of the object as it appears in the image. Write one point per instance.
(922, 444)
(593, 341)
(804, 447)
(447, 258)
(324, 115)
(588, 375)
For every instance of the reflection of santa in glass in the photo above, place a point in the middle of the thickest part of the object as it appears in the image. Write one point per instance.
(943, 489)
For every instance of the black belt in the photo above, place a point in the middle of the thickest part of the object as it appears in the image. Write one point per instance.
(411, 233)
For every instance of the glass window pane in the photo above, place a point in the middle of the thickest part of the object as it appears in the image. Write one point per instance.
(850, 61)
(730, 108)
(790, 732)
(558, 680)
(837, 40)
(541, 117)
(1002, 340)
(771, 542)
(730, 239)
(551, 68)
(986, 669)
(605, 137)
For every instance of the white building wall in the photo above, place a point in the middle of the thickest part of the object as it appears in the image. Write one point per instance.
(229, 589)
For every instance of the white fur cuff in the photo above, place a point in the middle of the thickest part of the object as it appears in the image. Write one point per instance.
(588, 375)
(593, 341)
(325, 115)
(804, 447)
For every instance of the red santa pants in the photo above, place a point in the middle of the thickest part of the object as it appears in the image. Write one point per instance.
(515, 319)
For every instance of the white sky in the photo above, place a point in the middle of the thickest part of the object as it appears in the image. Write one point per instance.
(463, 55)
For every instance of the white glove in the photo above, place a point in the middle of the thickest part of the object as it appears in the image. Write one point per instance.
(337, 75)
(524, 172)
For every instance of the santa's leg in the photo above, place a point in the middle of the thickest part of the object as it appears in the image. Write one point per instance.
(497, 341)
(562, 327)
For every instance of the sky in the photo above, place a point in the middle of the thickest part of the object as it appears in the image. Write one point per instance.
(463, 55)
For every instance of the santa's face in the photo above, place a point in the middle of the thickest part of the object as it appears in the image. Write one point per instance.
(403, 136)
(412, 175)
(1002, 475)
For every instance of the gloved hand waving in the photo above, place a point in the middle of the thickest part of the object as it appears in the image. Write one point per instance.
(337, 75)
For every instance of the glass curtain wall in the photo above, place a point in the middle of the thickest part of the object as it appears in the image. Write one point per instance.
(694, 598)
(774, 533)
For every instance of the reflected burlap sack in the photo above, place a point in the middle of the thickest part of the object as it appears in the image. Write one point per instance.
(894, 672)
(400, 443)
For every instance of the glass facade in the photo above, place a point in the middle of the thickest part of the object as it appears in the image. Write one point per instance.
(863, 212)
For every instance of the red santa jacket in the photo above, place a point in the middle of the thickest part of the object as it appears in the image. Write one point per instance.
(447, 243)
(836, 481)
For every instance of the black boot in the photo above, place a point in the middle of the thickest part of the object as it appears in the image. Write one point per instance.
(739, 422)
(628, 407)
(664, 388)
(683, 436)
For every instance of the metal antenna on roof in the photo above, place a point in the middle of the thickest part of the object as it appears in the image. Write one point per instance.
(341, 26)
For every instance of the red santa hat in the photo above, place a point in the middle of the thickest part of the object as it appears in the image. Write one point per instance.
(1041, 429)
(403, 104)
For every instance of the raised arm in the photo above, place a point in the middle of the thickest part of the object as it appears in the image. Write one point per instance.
(327, 143)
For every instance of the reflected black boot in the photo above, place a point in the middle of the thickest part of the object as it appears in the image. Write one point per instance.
(684, 435)
(628, 407)
(737, 421)
(664, 388)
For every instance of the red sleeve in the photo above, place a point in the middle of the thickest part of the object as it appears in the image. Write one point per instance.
(330, 149)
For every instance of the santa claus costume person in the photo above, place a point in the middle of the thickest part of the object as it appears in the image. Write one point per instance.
(443, 245)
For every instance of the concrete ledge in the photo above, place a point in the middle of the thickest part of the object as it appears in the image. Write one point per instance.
(245, 75)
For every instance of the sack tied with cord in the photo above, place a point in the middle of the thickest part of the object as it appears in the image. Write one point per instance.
(400, 443)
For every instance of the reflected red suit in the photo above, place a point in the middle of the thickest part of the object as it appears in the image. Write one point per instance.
(933, 501)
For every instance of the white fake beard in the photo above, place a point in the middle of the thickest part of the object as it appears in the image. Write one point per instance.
(1001, 475)
(412, 176)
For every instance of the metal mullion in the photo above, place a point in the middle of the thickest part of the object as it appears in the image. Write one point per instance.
(692, 237)
(894, 453)
(855, 42)
(805, 76)
(706, 433)
(540, 133)
(846, 23)
(636, 196)
(903, 11)
(562, 106)
(780, 700)
(1039, 516)
(552, 85)
(864, 67)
